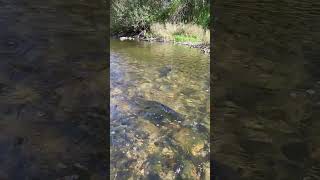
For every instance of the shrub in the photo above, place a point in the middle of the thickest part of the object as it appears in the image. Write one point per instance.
(132, 16)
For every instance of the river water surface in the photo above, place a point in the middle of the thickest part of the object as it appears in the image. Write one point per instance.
(266, 90)
(159, 111)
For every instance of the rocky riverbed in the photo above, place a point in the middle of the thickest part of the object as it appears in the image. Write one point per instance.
(159, 112)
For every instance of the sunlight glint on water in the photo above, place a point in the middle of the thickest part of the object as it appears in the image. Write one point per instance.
(159, 111)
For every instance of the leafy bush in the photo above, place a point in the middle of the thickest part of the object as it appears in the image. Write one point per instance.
(131, 15)
(135, 15)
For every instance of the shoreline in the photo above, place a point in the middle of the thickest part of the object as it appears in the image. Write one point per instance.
(204, 48)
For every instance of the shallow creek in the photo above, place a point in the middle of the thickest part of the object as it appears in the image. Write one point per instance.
(159, 111)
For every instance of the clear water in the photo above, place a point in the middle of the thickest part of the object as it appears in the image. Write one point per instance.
(159, 111)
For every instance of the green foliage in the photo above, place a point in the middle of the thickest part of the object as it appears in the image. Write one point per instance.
(203, 18)
(188, 11)
(131, 15)
(135, 15)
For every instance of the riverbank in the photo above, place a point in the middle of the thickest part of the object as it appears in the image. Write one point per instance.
(203, 47)
(191, 35)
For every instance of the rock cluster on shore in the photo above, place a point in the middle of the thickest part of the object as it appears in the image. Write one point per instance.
(205, 48)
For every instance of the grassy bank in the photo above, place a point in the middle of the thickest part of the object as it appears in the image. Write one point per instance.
(169, 20)
(179, 33)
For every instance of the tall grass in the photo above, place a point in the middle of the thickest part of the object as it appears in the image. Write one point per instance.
(180, 32)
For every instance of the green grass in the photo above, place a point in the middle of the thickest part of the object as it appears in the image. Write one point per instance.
(184, 38)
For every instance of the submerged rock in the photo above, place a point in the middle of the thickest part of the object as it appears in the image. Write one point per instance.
(165, 88)
(189, 171)
(189, 141)
(149, 127)
(164, 71)
(153, 176)
(157, 113)
(167, 152)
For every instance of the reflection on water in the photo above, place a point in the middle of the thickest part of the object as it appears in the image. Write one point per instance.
(53, 76)
(159, 111)
(267, 90)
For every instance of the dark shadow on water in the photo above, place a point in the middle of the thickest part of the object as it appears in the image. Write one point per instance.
(53, 78)
(266, 89)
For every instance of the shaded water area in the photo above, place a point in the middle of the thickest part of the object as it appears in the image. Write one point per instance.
(159, 109)
(266, 91)
(53, 76)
